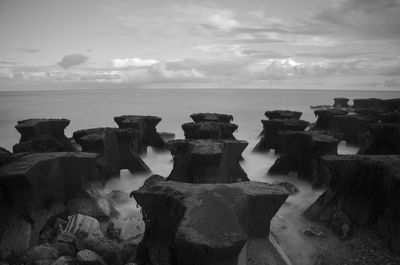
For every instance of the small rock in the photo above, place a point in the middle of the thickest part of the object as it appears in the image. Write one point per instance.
(292, 189)
(66, 237)
(40, 253)
(82, 225)
(89, 257)
(113, 231)
(65, 249)
(65, 260)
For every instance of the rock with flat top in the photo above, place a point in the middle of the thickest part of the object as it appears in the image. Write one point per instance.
(43, 135)
(207, 161)
(302, 154)
(118, 148)
(204, 223)
(326, 118)
(271, 129)
(146, 126)
(363, 191)
(283, 114)
(215, 117)
(341, 103)
(209, 130)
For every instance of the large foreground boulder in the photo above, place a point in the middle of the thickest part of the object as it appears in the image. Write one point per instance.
(302, 154)
(364, 190)
(209, 130)
(271, 128)
(207, 161)
(118, 148)
(35, 188)
(203, 223)
(42, 135)
(283, 114)
(146, 126)
(383, 139)
(215, 117)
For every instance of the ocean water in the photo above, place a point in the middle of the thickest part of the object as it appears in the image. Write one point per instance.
(96, 108)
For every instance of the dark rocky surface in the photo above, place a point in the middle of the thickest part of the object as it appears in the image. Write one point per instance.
(203, 223)
(341, 103)
(283, 114)
(271, 129)
(383, 139)
(302, 153)
(146, 126)
(363, 191)
(118, 148)
(42, 135)
(207, 161)
(354, 128)
(326, 118)
(215, 117)
(209, 130)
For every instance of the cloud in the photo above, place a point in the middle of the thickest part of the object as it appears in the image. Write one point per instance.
(28, 50)
(223, 19)
(132, 62)
(71, 60)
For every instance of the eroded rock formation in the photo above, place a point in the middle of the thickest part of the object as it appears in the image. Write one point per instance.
(204, 223)
(209, 130)
(35, 187)
(383, 139)
(341, 103)
(146, 126)
(207, 161)
(283, 114)
(118, 148)
(302, 153)
(42, 135)
(364, 191)
(271, 128)
(326, 118)
(353, 128)
(215, 117)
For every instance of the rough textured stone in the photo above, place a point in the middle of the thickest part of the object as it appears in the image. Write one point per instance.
(326, 118)
(42, 135)
(146, 126)
(209, 130)
(271, 128)
(302, 153)
(89, 257)
(383, 139)
(354, 128)
(203, 223)
(207, 161)
(283, 114)
(36, 187)
(216, 117)
(5, 155)
(367, 103)
(65, 260)
(364, 190)
(341, 103)
(118, 148)
(41, 252)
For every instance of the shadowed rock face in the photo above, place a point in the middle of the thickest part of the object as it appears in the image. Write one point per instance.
(146, 125)
(207, 161)
(365, 189)
(367, 103)
(302, 152)
(326, 118)
(118, 148)
(42, 135)
(203, 223)
(215, 117)
(35, 188)
(4, 155)
(209, 130)
(383, 139)
(354, 128)
(283, 114)
(341, 103)
(387, 105)
(271, 128)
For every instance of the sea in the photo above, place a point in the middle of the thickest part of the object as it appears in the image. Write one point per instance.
(97, 108)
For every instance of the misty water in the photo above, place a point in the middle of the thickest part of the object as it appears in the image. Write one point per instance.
(90, 108)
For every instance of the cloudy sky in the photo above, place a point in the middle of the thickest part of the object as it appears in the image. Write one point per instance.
(326, 44)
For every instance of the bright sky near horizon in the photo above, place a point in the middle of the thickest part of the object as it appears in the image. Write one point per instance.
(332, 44)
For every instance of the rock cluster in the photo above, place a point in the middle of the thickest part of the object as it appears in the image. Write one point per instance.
(42, 135)
(203, 223)
(118, 148)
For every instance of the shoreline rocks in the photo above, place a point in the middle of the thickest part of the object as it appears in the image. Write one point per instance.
(209, 130)
(283, 114)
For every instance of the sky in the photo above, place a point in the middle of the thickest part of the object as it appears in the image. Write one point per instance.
(280, 44)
